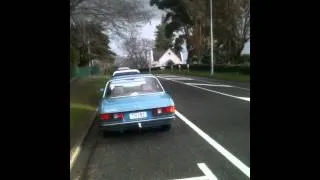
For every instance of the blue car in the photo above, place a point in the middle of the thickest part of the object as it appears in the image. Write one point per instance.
(135, 101)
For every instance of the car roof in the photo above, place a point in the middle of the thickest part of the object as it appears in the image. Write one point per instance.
(126, 70)
(123, 68)
(132, 76)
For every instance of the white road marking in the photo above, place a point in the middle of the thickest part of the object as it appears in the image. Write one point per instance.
(208, 82)
(167, 76)
(235, 161)
(216, 85)
(219, 83)
(195, 178)
(237, 97)
(204, 168)
(179, 78)
(208, 174)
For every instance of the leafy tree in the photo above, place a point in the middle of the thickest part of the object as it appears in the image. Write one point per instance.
(192, 18)
(97, 46)
(162, 42)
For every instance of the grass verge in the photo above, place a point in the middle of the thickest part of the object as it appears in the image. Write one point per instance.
(84, 98)
(228, 76)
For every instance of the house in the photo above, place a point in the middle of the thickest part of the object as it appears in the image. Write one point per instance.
(165, 58)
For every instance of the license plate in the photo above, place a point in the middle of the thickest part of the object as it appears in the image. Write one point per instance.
(138, 115)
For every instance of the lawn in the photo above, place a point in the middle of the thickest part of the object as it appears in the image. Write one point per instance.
(84, 98)
(228, 76)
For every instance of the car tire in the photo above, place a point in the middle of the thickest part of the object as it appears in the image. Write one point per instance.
(106, 133)
(166, 127)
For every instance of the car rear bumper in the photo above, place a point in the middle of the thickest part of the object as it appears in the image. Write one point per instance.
(135, 124)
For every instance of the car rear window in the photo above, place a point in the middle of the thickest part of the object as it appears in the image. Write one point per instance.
(133, 86)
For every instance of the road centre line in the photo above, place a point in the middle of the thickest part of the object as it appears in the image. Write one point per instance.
(235, 161)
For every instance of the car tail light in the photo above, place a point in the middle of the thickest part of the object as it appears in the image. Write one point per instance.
(164, 110)
(169, 109)
(107, 116)
(118, 116)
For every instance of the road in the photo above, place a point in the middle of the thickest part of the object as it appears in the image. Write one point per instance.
(212, 130)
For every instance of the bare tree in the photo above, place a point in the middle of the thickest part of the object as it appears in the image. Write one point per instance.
(137, 50)
(115, 15)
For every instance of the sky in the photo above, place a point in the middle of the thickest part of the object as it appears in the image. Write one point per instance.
(148, 31)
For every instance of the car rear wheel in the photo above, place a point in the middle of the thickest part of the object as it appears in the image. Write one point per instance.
(166, 127)
(106, 133)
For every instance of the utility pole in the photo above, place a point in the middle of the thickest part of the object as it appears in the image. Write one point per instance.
(151, 60)
(90, 63)
(211, 37)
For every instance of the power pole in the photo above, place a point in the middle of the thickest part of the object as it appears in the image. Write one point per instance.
(90, 63)
(151, 60)
(211, 37)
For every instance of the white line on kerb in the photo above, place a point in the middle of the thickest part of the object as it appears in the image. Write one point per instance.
(235, 161)
(78, 148)
(237, 97)
(74, 156)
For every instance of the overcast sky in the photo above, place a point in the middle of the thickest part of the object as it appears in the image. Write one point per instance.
(148, 31)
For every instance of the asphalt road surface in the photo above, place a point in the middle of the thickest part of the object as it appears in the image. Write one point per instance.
(210, 138)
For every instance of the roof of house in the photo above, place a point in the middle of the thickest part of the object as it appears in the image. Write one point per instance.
(157, 54)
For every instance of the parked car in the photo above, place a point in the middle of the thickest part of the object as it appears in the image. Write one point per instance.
(135, 101)
(125, 72)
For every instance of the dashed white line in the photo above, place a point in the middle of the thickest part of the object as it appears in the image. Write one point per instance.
(229, 95)
(235, 161)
